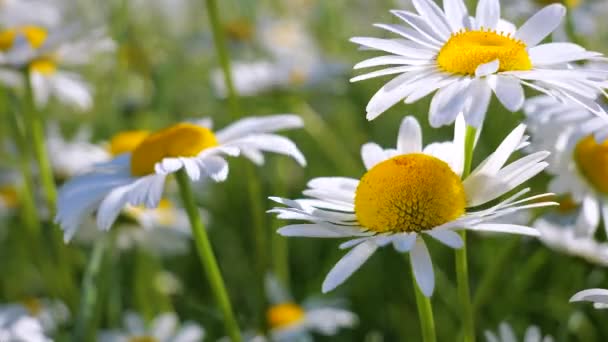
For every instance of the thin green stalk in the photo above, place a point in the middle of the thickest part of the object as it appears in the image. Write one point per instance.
(83, 329)
(34, 124)
(462, 267)
(207, 258)
(425, 313)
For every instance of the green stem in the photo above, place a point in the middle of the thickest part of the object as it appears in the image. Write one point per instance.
(35, 126)
(83, 331)
(206, 256)
(462, 267)
(222, 54)
(425, 313)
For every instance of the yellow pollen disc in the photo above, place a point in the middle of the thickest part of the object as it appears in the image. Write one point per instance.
(45, 66)
(33, 306)
(35, 36)
(239, 30)
(283, 315)
(566, 205)
(142, 339)
(409, 193)
(181, 140)
(127, 141)
(9, 196)
(466, 50)
(592, 161)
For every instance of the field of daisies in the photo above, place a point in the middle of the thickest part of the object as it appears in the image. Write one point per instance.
(303, 170)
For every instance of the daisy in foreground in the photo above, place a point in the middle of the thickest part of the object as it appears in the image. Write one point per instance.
(466, 58)
(506, 334)
(138, 177)
(410, 193)
(599, 297)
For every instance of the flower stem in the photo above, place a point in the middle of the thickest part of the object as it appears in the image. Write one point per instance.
(462, 268)
(206, 256)
(35, 126)
(425, 313)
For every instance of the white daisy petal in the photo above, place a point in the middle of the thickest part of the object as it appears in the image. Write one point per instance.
(487, 14)
(349, 263)
(456, 14)
(591, 295)
(258, 125)
(372, 154)
(589, 217)
(479, 95)
(541, 24)
(409, 139)
(509, 92)
(447, 237)
(487, 68)
(505, 228)
(322, 230)
(423, 267)
(404, 242)
(215, 167)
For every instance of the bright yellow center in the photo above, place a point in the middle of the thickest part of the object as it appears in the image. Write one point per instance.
(409, 193)
(142, 339)
(592, 161)
(9, 196)
(566, 205)
(33, 306)
(45, 66)
(283, 315)
(35, 35)
(164, 213)
(239, 30)
(181, 140)
(466, 50)
(127, 141)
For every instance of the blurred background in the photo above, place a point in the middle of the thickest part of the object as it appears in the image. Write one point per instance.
(290, 56)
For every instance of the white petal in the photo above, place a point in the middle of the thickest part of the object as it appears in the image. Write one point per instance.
(589, 217)
(258, 125)
(591, 295)
(487, 68)
(487, 14)
(448, 237)
(478, 98)
(215, 167)
(505, 228)
(456, 14)
(351, 262)
(189, 332)
(556, 53)
(509, 92)
(506, 333)
(372, 154)
(541, 24)
(319, 230)
(271, 143)
(163, 326)
(447, 103)
(533, 334)
(404, 242)
(423, 267)
(410, 136)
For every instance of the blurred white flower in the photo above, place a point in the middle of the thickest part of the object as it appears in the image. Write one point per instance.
(409, 193)
(506, 334)
(16, 325)
(163, 328)
(138, 177)
(599, 297)
(464, 59)
(29, 12)
(289, 321)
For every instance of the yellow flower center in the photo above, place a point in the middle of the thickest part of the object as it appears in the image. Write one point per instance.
(127, 141)
(164, 213)
(45, 66)
(9, 196)
(466, 50)
(33, 306)
(592, 161)
(35, 35)
(409, 193)
(239, 30)
(566, 205)
(283, 315)
(181, 140)
(142, 339)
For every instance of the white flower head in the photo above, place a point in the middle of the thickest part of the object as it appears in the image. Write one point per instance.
(579, 158)
(464, 59)
(163, 328)
(289, 321)
(17, 325)
(506, 334)
(138, 177)
(410, 193)
(599, 297)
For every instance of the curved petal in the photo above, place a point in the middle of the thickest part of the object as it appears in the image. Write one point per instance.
(372, 154)
(541, 24)
(410, 136)
(423, 267)
(350, 263)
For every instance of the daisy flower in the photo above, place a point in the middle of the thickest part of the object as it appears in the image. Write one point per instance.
(599, 297)
(506, 334)
(289, 321)
(138, 177)
(17, 325)
(43, 52)
(51, 313)
(163, 328)
(464, 59)
(579, 156)
(410, 193)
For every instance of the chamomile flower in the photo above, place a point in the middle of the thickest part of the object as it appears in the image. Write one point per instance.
(36, 12)
(506, 334)
(289, 321)
(579, 156)
(51, 313)
(163, 328)
(410, 193)
(138, 177)
(17, 325)
(70, 157)
(599, 297)
(464, 59)
(43, 53)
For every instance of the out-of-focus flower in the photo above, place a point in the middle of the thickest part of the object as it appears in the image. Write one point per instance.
(138, 178)
(69, 158)
(29, 12)
(9, 196)
(164, 328)
(409, 192)
(51, 313)
(506, 334)
(579, 156)
(19, 326)
(599, 297)
(464, 59)
(289, 321)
